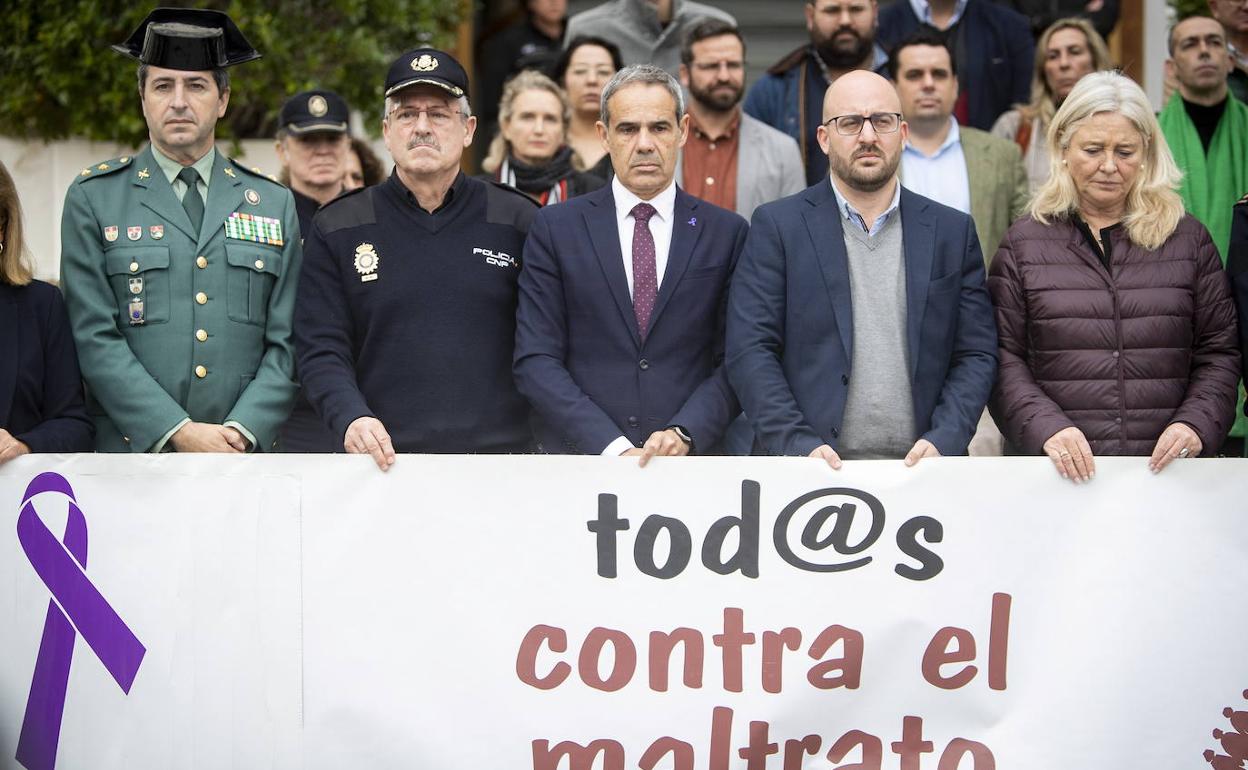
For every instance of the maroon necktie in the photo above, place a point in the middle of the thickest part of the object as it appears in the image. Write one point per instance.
(645, 275)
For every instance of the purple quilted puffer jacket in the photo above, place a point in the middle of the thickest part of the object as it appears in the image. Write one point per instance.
(1119, 354)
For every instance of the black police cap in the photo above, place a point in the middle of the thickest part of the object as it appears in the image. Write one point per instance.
(188, 39)
(427, 65)
(314, 111)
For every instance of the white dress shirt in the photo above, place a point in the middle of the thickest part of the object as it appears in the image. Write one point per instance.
(660, 226)
(661, 230)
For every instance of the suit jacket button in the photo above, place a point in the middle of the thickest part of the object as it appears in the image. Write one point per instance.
(835, 433)
(844, 379)
(633, 422)
(201, 298)
(201, 262)
(644, 364)
(201, 372)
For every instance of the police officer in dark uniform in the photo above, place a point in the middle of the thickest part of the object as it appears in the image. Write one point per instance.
(405, 323)
(179, 265)
(313, 140)
(312, 145)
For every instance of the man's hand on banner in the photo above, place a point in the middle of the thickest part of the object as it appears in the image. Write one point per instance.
(366, 435)
(662, 443)
(922, 448)
(825, 452)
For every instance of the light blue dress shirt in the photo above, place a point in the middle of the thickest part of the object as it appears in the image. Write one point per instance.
(941, 176)
(850, 214)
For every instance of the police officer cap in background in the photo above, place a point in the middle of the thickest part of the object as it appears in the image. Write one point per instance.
(188, 39)
(315, 111)
(427, 65)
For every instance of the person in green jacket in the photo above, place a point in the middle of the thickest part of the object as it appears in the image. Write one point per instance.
(179, 265)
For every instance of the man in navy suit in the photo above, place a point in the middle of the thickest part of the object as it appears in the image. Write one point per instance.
(620, 326)
(992, 47)
(859, 326)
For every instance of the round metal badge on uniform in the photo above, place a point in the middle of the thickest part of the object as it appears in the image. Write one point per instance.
(366, 260)
(251, 196)
(317, 106)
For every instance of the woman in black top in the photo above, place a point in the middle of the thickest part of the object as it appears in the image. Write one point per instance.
(41, 404)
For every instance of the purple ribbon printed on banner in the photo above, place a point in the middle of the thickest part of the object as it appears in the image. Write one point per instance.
(74, 601)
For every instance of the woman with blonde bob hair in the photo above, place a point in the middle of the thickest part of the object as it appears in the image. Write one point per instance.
(1066, 51)
(1116, 327)
(530, 151)
(42, 409)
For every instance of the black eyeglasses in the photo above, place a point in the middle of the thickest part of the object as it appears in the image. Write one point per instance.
(851, 125)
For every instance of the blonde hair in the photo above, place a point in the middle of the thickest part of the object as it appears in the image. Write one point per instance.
(14, 266)
(1153, 207)
(1042, 104)
(525, 80)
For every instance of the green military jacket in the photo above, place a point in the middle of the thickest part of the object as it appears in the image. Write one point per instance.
(172, 325)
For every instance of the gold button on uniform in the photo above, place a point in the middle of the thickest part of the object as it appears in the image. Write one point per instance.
(201, 372)
(201, 335)
(201, 262)
(259, 264)
(201, 298)
(134, 267)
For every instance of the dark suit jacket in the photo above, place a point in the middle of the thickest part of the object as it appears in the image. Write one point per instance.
(790, 323)
(996, 65)
(579, 358)
(41, 401)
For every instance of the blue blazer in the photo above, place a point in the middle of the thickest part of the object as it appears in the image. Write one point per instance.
(41, 402)
(999, 54)
(790, 323)
(579, 357)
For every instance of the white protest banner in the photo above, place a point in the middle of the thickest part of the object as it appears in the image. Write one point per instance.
(699, 614)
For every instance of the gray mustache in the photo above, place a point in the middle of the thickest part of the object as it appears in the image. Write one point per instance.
(423, 140)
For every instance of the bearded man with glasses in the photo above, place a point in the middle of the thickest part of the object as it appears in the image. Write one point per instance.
(858, 322)
(405, 321)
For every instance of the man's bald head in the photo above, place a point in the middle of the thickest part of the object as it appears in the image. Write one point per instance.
(865, 160)
(862, 92)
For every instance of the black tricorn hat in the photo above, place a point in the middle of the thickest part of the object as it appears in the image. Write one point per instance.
(188, 39)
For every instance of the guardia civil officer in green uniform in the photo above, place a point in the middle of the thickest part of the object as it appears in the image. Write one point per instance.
(179, 265)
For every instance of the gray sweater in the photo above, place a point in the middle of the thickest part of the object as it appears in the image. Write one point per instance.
(879, 409)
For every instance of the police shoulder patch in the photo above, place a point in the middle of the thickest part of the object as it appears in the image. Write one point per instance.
(352, 208)
(104, 168)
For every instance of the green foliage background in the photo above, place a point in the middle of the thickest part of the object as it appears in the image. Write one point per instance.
(1185, 8)
(59, 78)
